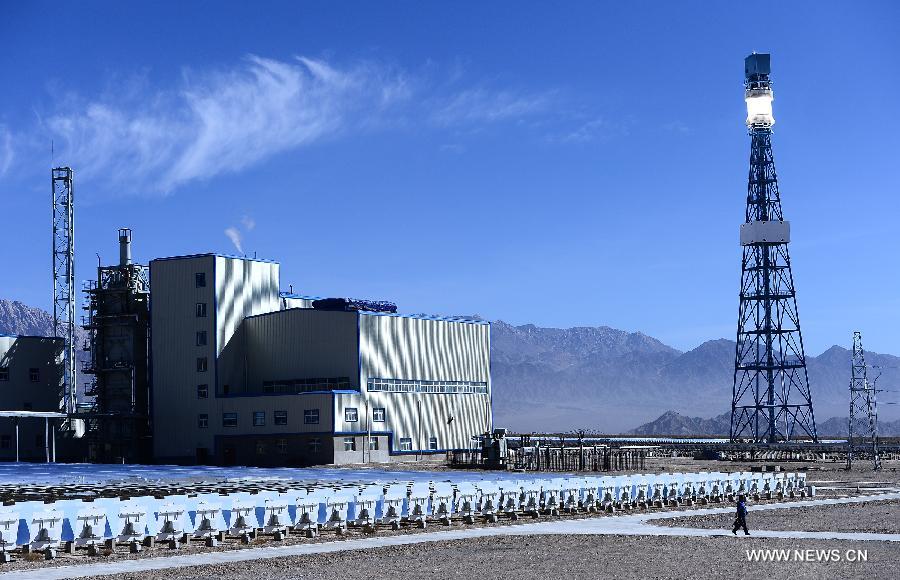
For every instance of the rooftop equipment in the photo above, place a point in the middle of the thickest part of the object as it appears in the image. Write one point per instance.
(354, 305)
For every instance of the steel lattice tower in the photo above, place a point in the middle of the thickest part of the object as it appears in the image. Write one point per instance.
(862, 402)
(771, 397)
(63, 190)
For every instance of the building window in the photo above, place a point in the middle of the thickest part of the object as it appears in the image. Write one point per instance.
(201, 310)
(202, 391)
(315, 445)
(351, 415)
(432, 444)
(268, 387)
(225, 389)
(260, 447)
(378, 414)
(34, 375)
(200, 280)
(201, 364)
(4, 373)
(39, 440)
(280, 417)
(282, 446)
(349, 443)
(4, 442)
(311, 417)
(259, 418)
(405, 444)
(229, 419)
(373, 443)
(201, 338)
(203, 421)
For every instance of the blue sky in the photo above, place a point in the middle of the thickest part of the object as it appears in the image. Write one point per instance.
(567, 166)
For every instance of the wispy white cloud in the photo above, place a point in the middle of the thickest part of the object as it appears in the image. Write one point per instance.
(6, 150)
(586, 131)
(248, 222)
(222, 121)
(212, 123)
(677, 127)
(236, 238)
(482, 105)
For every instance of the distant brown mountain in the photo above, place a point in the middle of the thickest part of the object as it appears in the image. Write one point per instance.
(549, 379)
(672, 423)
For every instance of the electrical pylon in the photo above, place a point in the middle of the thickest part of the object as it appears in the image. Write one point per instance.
(771, 399)
(862, 403)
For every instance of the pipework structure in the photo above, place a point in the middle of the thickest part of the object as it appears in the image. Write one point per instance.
(118, 325)
(63, 223)
(771, 398)
(863, 404)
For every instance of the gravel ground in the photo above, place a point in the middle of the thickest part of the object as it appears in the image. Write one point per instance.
(882, 517)
(572, 557)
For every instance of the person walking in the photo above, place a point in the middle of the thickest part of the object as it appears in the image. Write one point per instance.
(740, 521)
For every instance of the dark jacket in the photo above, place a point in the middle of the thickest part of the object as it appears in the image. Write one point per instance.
(741, 509)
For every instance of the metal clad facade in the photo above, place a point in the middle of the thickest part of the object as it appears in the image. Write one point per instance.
(301, 344)
(426, 349)
(243, 288)
(19, 355)
(191, 325)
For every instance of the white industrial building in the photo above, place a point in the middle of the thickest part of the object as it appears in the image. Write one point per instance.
(245, 374)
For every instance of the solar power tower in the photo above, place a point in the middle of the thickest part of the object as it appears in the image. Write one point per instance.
(863, 405)
(771, 400)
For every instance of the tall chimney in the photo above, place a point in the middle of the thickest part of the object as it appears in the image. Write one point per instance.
(124, 247)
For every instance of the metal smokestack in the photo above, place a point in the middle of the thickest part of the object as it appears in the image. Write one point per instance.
(124, 247)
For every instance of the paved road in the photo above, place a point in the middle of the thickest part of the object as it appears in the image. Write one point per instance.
(631, 524)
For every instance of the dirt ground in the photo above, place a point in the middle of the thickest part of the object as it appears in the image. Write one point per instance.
(570, 557)
(880, 517)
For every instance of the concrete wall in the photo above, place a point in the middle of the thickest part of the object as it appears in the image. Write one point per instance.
(18, 355)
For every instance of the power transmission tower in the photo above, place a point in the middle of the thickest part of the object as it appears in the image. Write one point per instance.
(771, 399)
(63, 189)
(862, 403)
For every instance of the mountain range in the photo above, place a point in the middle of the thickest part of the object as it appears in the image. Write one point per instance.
(603, 379)
(672, 423)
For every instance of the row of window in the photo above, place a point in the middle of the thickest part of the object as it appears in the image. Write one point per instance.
(315, 445)
(295, 386)
(351, 414)
(34, 375)
(431, 387)
(310, 417)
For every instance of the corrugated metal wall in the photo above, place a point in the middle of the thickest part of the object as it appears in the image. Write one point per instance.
(174, 325)
(234, 288)
(399, 347)
(295, 344)
(396, 347)
(243, 288)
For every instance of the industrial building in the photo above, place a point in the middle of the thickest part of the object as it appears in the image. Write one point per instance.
(245, 374)
(31, 392)
(203, 359)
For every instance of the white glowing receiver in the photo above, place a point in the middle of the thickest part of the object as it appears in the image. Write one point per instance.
(760, 232)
